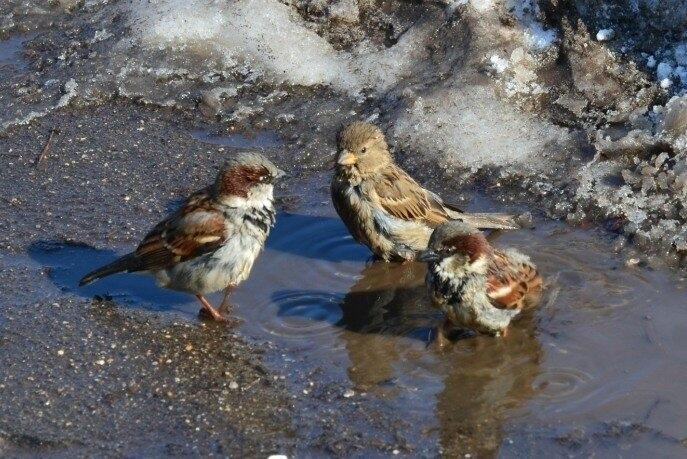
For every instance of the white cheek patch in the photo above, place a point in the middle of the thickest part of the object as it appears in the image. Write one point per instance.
(258, 196)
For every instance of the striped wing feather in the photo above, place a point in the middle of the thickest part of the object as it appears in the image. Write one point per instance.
(511, 285)
(196, 228)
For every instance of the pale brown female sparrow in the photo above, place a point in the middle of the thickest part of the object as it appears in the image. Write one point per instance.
(476, 285)
(382, 206)
(212, 241)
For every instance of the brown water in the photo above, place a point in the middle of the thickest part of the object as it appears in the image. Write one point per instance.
(600, 367)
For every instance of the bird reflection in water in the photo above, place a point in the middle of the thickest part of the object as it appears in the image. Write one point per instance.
(484, 378)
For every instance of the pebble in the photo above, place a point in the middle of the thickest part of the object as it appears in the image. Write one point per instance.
(349, 393)
(233, 385)
(632, 262)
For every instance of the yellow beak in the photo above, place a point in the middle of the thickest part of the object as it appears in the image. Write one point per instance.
(347, 158)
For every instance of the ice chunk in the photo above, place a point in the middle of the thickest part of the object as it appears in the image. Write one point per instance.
(537, 37)
(605, 34)
(664, 70)
(482, 5)
(681, 54)
(498, 63)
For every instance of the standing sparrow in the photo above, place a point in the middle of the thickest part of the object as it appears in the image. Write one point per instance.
(382, 206)
(476, 285)
(211, 242)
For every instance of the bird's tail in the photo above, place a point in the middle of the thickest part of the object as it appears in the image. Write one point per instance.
(490, 221)
(127, 263)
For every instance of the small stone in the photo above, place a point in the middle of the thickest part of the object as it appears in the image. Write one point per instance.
(233, 385)
(60, 352)
(349, 393)
(651, 62)
(100, 362)
(277, 456)
(395, 452)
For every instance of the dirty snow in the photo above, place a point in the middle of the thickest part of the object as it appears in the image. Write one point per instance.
(472, 127)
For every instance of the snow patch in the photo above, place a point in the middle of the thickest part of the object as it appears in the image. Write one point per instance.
(605, 34)
(270, 39)
(471, 127)
(263, 34)
(537, 37)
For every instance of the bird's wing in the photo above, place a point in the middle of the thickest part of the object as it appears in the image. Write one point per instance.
(403, 198)
(487, 220)
(196, 228)
(510, 282)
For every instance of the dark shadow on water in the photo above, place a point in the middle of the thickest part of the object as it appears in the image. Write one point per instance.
(11, 52)
(67, 263)
(316, 237)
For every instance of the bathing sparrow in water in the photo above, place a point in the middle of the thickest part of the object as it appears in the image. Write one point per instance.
(212, 241)
(476, 285)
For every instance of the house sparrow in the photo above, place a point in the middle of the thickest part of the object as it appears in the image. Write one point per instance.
(476, 285)
(382, 206)
(211, 242)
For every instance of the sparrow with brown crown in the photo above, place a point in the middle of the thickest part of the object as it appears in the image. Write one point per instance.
(382, 206)
(475, 285)
(212, 241)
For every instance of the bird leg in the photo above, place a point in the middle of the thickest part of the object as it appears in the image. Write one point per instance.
(443, 331)
(225, 307)
(210, 310)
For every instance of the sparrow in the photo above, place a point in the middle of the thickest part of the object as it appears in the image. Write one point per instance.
(382, 206)
(211, 242)
(475, 285)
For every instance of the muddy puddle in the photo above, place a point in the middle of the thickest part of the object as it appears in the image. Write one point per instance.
(11, 53)
(600, 366)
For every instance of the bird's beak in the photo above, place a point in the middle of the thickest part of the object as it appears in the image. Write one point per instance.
(347, 158)
(428, 256)
(280, 173)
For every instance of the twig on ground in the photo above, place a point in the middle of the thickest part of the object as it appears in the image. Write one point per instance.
(46, 148)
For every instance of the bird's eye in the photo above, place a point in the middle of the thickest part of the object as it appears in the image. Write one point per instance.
(263, 178)
(364, 149)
